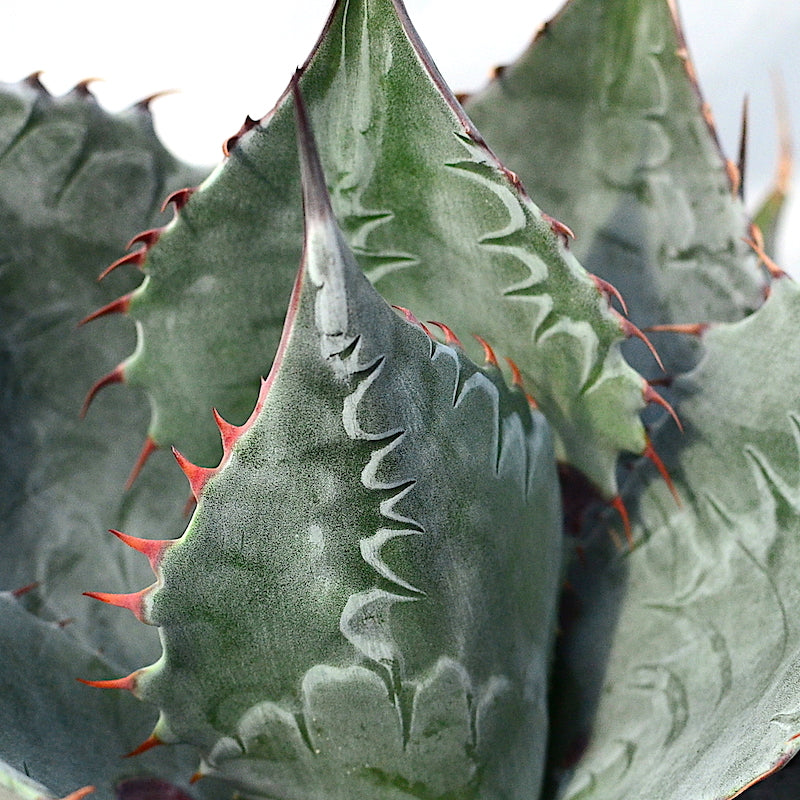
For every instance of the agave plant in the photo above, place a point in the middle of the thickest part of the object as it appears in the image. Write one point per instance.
(459, 527)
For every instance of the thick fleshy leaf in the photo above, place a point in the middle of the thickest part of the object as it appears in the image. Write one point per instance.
(603, 121)
(75, 184)
(436, 223)
(363, 604)
(62, 734)
(686, 647)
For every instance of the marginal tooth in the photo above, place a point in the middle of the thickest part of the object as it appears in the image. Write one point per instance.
(413, 320)
(559, 229)
(136, 258)
(128, 683)
(23, 590)
(516, 374)
(629, 329)
(449, 336)
(79, 794)
(228, 145)
(148, 744)
(610, 290)
(144, 103)
(148, 448)
(650, 395)
(198, 476)
(774, 270)
(228, 433)
(619, 505)
(152, 549)
(650, 453)
(179, 198)
(118, 306)
(117, 375)
(134, 602)
(690, 328)
(148, 238)
(490, 359)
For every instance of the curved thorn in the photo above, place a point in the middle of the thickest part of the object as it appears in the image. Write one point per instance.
(488, 353)
(516, 375)
(231, 142)
(198, 776)
(559, 228)
(117, 375)
(152, 549)
(133, 602)
(179, 198)
(144, 103)
(118, 306)
(82, 87)
(198, 476)
(618, 504)
(650, 453)
(136, 258)
(449, 336)
(148, 744)
(149, 447)
(609, 290)
(34, 80)
(650, 395)
(128, 683)
(629, 329)
(148, 238)
(690, 328)
(409, 316)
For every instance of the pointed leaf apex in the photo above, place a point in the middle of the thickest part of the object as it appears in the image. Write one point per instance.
(148, 448)
(198, 476)
(118, 306)
(449, 337)
(116, 375)
(152, 549)
(488, 353)
(148, 744)
(316, 202)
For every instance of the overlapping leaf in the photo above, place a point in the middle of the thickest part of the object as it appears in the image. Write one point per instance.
(603, 121)
(363, 604)
(433, 219)
(76, 184)
(683, 659)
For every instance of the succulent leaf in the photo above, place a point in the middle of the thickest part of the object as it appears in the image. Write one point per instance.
(683, 656)
(603, 121)
(76, 184)
(363, 603)
(434, 220)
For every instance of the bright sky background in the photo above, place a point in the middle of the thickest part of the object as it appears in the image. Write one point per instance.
(231, 59)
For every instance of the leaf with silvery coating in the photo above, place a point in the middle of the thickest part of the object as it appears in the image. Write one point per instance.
(383, 532)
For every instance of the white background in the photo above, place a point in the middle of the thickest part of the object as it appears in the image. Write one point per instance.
(231, 59)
